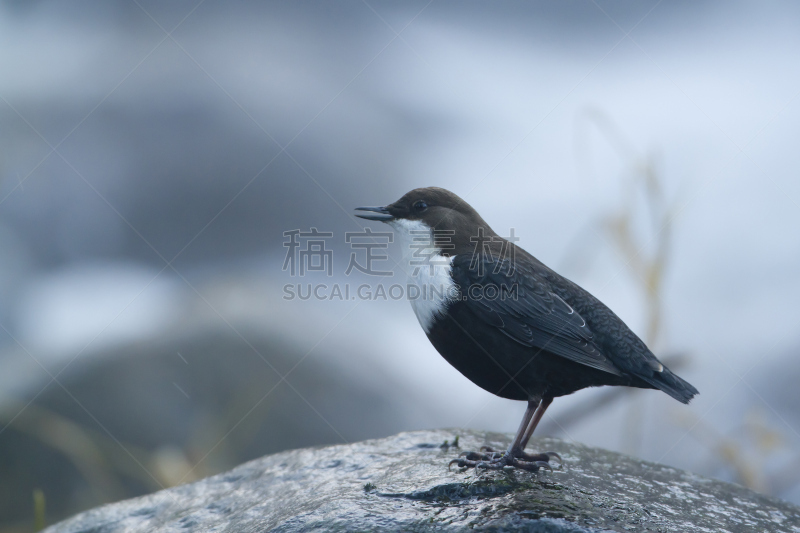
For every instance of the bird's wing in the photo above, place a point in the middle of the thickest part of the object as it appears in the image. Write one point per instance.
(524, 308)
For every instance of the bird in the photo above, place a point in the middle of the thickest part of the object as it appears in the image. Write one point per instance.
(510, 324)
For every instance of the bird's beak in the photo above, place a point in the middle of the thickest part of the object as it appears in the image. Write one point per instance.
(380, 213)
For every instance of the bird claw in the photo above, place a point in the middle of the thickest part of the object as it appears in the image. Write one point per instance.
(544, 457)
(497, 461)
(477, 456)
(542, 464)
(554, 454)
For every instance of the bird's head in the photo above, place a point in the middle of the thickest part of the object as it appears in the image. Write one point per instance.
(445, 215)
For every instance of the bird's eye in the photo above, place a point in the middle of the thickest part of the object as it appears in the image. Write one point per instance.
(419, 205)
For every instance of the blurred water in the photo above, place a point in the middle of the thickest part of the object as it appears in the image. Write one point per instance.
(168, 195)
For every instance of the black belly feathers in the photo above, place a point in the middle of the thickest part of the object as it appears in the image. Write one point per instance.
(539, 309)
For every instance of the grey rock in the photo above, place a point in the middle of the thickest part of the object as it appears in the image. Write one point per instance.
(402, 483)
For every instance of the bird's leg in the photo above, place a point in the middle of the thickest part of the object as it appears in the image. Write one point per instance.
(515, 455)
(538, 457)
(534, 421)
(516, 449)
(530, 413)
(494, 455)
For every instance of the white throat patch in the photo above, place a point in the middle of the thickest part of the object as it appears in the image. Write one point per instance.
(430, 287)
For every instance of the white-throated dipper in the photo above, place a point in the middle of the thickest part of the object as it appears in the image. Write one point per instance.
(510, 324)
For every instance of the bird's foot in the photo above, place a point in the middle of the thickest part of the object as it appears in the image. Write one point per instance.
(491, 459)
(530, 457)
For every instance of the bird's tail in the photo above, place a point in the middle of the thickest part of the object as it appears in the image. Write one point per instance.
(677, 387)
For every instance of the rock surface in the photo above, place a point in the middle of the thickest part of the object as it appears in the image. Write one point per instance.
(402, 483)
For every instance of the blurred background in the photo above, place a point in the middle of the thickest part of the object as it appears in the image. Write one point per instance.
(154, 153)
